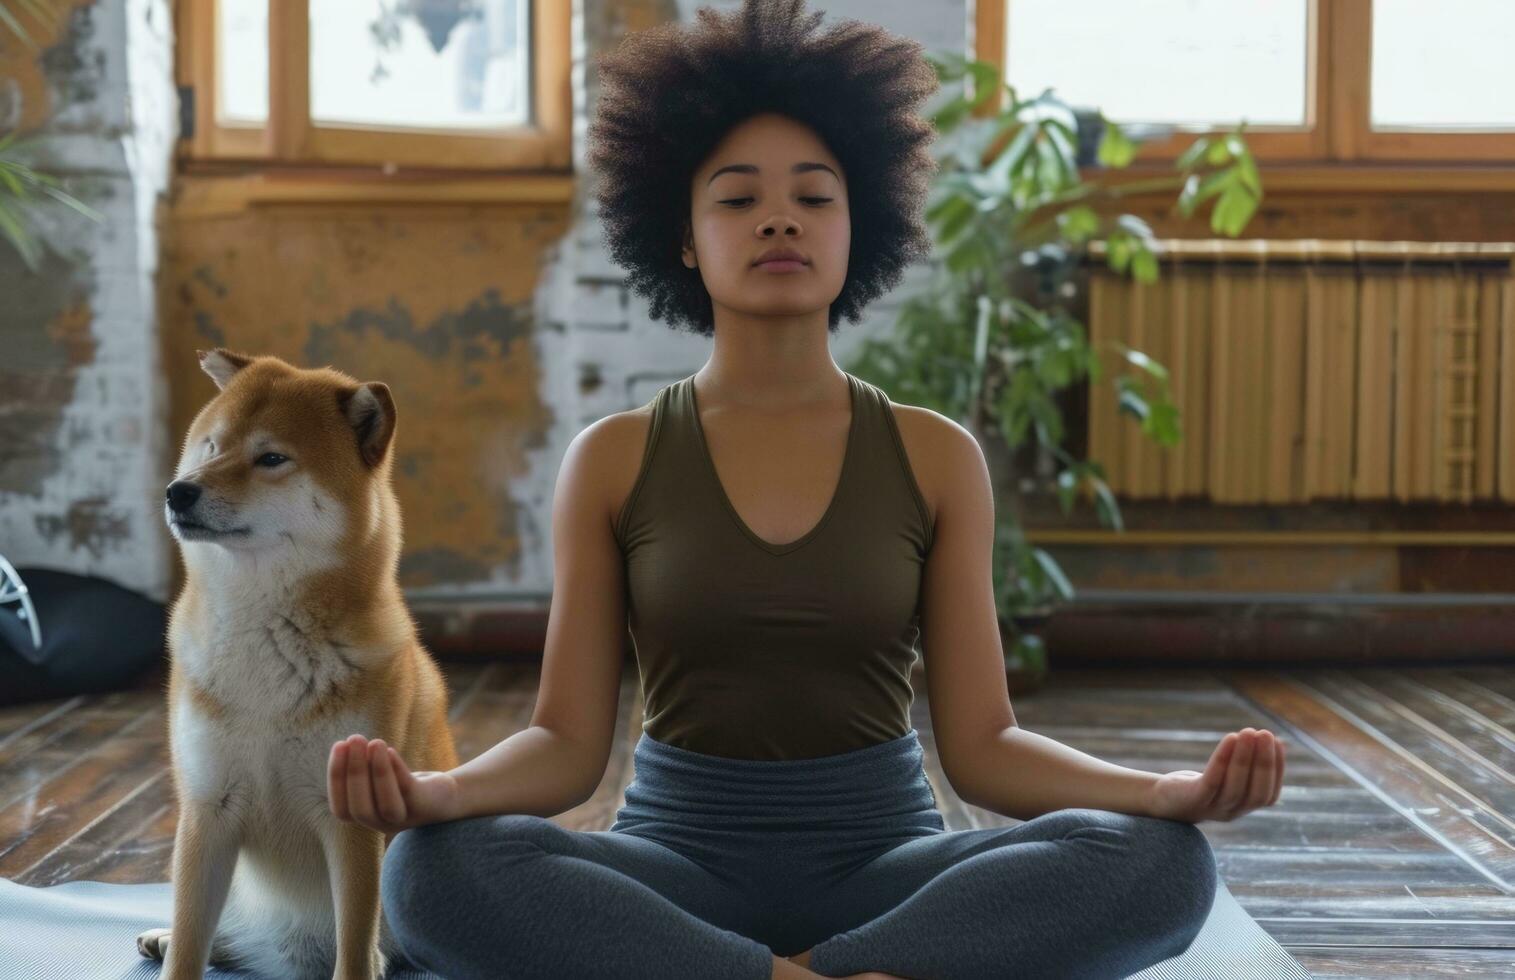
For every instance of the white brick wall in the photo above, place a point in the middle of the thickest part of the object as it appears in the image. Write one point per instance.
(114, 429)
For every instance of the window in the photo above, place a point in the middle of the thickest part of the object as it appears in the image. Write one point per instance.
(1464, 45)
(424, 84)
(1315, 81)
(1178, 62)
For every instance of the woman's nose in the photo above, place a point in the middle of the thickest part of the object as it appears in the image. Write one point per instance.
(773, 224)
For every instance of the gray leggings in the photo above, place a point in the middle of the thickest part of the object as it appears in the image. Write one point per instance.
(714, 865)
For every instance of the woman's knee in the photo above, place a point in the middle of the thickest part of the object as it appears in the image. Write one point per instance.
(1182, 847)
(1181, 873)
(415, 864)
(429, 874)
(429, 867)
(1165, 859)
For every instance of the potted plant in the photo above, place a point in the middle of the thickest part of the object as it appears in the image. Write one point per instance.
(992, 341)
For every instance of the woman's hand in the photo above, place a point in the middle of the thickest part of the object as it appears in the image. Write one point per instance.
(1246, 771)
(368, 783)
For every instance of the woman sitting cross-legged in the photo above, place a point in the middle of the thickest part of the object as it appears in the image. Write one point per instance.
(779, 534)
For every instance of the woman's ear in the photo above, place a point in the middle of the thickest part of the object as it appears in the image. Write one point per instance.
(690, 259)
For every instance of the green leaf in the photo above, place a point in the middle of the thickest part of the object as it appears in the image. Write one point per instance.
(1053, 110)
(1232, 212)
(949, 115)
(957, 214)
(981, 335)
(1049, 419)
(1067, 154)
(1054, 574)
(1136, 226)
(1246, 169)
(1049, 166)
(1119, 251)
(1188, 197)
(1115, 148)
(72, 202)
(985, 82)
(1213, 184)
(949, 65)
(1067, 489)
(1056, 368)
(1142, 361)
(15, 231)
(1191, 156)
(1010, 157)
(1132, 403)
(1162, 423)
(967, 253)
(1030, 650)
(1105, 505)
(1078, 223)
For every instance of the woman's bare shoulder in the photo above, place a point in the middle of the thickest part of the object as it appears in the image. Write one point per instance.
(925, 433)
(613, 447)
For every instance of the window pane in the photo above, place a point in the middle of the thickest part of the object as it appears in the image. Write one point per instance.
(242, 61)
(422, 64)
(1199, 64)
(1443, 65)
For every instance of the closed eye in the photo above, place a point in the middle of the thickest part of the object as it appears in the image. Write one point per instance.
(734, 200)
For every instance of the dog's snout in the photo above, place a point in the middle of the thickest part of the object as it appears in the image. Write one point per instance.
(182, 495)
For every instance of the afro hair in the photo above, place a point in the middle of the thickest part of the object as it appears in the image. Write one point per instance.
(668, 95)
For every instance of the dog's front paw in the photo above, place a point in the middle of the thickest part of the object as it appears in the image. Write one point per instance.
(153, 943)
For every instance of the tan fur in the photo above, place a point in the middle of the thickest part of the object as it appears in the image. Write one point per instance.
(291, 633)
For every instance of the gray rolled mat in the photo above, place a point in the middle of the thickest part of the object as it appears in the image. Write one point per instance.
(87, 930)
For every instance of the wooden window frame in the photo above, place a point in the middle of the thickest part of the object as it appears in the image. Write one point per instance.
(1337, 150)
(291, 140)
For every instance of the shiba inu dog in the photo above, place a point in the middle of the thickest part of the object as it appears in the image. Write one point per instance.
(290, 634)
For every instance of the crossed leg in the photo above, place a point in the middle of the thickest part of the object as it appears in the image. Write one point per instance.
(517, 895)
(1076, 893)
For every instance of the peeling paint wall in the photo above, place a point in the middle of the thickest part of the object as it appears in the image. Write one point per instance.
(435, 302)
(502, 330)
(80, 417)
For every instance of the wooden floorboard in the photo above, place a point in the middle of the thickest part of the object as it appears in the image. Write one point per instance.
(1391, 851)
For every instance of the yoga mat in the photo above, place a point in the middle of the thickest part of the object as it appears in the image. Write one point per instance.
(87, 930)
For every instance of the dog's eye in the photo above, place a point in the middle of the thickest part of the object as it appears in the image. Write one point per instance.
(271, 459)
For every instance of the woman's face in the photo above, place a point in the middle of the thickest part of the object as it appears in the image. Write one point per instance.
(770, 183)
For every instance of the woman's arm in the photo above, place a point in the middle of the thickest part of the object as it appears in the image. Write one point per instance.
(987, 757)
(1022, 775)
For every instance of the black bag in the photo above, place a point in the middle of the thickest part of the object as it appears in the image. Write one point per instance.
(96, 636)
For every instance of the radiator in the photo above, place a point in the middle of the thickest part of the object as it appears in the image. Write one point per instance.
(1306, 369)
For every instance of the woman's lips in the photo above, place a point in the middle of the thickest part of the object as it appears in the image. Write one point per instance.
(781, 265)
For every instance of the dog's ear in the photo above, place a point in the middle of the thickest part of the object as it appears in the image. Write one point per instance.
(370, 410)
(221, 364)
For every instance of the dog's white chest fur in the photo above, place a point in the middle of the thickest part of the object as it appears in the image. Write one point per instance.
(268, 668)
(266, 656)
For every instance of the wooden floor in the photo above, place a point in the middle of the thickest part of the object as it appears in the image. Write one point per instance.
(1391, 852)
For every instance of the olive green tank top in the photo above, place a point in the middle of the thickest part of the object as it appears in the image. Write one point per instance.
(752, 650)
